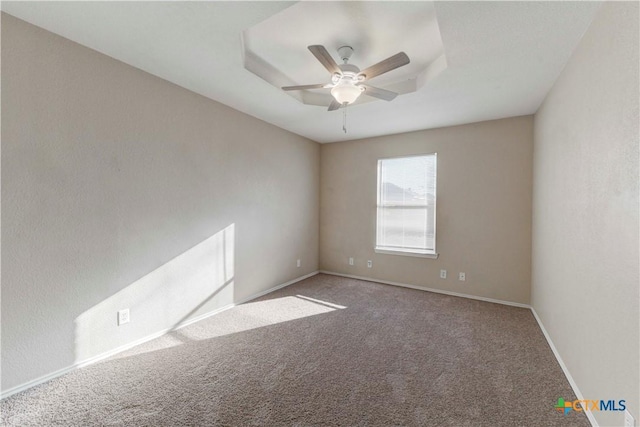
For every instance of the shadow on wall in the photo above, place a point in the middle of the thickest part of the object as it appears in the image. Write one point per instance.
(196, 282)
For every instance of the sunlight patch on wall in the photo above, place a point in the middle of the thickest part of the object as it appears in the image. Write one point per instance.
(197, 281)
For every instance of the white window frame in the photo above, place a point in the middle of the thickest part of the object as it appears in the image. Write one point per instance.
(421, 253)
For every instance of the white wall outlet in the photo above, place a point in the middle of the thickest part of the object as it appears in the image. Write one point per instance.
(369, 263)
(462, 277)
(350, 261)
(298, 263)
(123, 316)
(628, 419)
(443, 274)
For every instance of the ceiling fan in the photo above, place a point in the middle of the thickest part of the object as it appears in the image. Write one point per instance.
(347, 81)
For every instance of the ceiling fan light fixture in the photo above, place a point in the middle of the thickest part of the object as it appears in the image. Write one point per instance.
(347, 79)
(346, 93)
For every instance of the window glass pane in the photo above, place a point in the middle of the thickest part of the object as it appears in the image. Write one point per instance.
(405, 228)
(407, 181)
(406, 203)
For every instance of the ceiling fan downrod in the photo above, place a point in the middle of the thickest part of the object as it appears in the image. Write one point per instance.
(345, 53)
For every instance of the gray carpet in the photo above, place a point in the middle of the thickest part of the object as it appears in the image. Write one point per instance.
(325, 351)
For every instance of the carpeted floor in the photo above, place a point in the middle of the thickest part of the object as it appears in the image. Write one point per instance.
(325, 351)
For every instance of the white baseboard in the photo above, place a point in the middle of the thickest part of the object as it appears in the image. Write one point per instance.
(422, 288)
(567, 374)
(25, 386)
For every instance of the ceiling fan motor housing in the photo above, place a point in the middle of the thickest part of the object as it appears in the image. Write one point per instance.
(349, 74)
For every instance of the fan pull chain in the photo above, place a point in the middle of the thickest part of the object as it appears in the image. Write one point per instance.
(344, 118)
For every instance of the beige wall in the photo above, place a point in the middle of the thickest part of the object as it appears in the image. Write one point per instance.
(121, 190)
(585, 218)
(483, 208)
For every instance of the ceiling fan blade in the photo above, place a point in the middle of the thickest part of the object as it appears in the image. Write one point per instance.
(318, 86)
(396, 61)
(376, 92)
(325, 58)
(334, 105)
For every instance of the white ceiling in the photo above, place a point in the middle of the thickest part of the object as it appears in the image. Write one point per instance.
(501, 57)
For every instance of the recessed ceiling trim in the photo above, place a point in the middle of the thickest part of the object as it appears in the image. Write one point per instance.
(269, 53)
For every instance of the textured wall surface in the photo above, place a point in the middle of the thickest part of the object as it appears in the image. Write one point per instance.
(585, 219)
(483, 217)
(121, 190)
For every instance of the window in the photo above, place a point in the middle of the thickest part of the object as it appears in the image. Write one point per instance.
(407, 206)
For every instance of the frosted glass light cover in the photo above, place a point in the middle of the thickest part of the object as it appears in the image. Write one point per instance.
(346, 93)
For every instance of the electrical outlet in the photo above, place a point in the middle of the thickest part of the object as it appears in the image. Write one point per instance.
(123, 316)
(369, 263)
(350, 261)
(462, 277)
(443, 274)
(628, 419)
(298, 263)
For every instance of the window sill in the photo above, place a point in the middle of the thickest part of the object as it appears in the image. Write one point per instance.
(431, 255)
